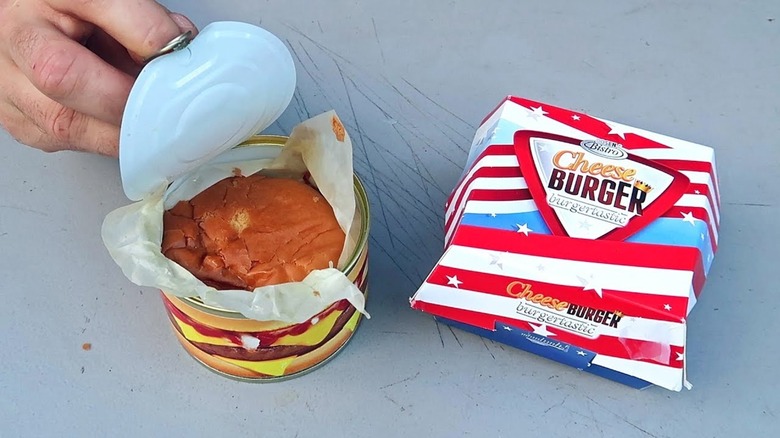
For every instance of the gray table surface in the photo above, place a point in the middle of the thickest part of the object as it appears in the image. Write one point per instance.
(411, 80)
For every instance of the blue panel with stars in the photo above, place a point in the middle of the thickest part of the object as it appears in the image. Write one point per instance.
(533, 343)
(502, 132)
(512, 222)
(543, 346)
(561, 352)
(619, 377)
(662, 231)
(670, 231)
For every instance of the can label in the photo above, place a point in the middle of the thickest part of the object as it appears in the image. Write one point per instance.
(264, 350)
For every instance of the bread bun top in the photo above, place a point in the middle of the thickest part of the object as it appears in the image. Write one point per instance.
(247, 232)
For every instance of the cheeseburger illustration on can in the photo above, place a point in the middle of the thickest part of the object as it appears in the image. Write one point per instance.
(257, 243)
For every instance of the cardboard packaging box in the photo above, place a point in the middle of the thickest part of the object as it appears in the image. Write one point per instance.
(579, 239)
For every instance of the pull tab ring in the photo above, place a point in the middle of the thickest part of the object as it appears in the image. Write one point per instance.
(174, 45)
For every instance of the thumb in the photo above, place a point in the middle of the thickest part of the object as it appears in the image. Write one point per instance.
(143, 27)
(185, 25)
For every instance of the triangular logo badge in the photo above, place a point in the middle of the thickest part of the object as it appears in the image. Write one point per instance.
(594, 189)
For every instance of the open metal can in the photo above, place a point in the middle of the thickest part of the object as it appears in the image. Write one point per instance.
(246, 349)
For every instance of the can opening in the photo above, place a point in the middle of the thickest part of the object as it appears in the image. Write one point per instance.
(358, 233)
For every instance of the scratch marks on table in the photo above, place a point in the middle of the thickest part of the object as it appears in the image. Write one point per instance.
(487, 348)
(300, 105)
(376, 37)
(390, 399)
(438, 105)
(393, 260)
(592, 417)
(379, 102)
(620, 417)
(362, 143)
(455, 336)
(639, 8)
(24, 210)
(309, 67)
(408, 379)
(556, 405)
(438, 330)
(439, 151)
(749, 204)
(409, 148)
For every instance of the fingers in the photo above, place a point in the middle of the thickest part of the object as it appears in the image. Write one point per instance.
(109, 50)
(69, 73)
(142, 26)
(61, 95)
(74, 28)
(38, 121)
(26, 132)
(20, 126)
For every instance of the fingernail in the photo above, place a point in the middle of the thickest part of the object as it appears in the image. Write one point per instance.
(184, 23)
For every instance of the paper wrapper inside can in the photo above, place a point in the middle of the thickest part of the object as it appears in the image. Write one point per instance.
(133, 234)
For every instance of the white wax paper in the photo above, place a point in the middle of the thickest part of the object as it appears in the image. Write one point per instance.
(133, 234)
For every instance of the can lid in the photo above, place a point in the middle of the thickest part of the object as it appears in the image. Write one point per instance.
(232, 81)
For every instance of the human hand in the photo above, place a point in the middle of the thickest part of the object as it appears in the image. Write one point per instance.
(67, 66)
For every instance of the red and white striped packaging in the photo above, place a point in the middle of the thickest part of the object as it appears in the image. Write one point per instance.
(579, 239)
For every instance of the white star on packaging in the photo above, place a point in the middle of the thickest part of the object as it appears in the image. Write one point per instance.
(542, 330)
(523, 229)
(688, 217)
(697, 192)
(680, 356)
(590, 283)
(667, 307)
(495, 260)
(493, 215)
(582, 353)
(575, 117)
(537, 112)
(620, 131)
(702, 236)
(493, 136)
(584, 225)
(507, 328)
(453, 281)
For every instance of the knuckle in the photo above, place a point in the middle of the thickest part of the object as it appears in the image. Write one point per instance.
(72, 27)
(62, 124)
(53, 72)
(23, 39)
